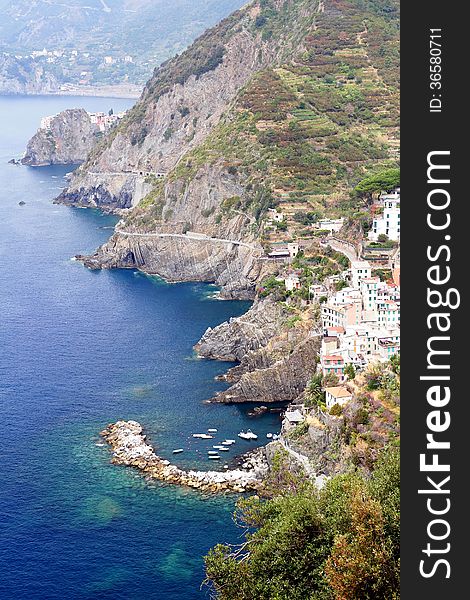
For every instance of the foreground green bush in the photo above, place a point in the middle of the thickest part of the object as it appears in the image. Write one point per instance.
(340, 543)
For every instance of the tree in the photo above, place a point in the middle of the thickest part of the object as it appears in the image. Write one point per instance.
(385, 181)
(314, 393)
(395, 364)
(330, 379)
(350, 371)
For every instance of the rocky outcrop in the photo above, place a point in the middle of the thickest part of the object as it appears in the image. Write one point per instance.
(108, 192)
(67, 140)
(233, 340)
(180, 237)
(282, 381)
(130, 448)
(275, 361)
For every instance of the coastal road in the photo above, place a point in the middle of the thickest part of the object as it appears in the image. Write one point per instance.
(189, 236)
(345, 248)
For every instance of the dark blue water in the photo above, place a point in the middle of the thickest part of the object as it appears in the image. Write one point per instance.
(80, 349)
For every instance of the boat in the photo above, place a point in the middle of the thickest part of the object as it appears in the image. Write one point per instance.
(212, 430)
(178, 451)
(218, 447)
(203, 436)
(269, 435)
(212, 452)
(228, 442)
(214, 457)
(224, 448)
(248, 435)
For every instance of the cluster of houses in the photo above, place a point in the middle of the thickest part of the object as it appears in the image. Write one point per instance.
(103, 121)
(360, 323)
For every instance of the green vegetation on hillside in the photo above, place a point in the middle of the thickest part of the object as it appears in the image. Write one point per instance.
(305, 544)
(317, 125)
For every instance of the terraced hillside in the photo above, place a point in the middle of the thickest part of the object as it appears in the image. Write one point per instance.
(286, 102)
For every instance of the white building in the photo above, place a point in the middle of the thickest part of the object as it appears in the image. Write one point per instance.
(389, 223)
(330, 224)
(337, 395)
(317, 291)
(274, 215)
(360, 269)
(292, 282)
(369, 292)
(46, 122)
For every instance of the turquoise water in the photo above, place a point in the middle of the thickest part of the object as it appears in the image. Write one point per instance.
(80, 349)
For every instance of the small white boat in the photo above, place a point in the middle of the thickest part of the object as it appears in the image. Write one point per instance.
(212, 430)
(212, 452)
(269, 435)
(248, 435)
(178, 451)
(202, 436)
(219, 447)
(214, 457)
(224, 448)
(228, 442)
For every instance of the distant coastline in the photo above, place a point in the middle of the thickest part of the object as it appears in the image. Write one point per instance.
(129, 91)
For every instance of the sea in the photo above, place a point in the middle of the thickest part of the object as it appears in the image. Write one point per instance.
(80, 349)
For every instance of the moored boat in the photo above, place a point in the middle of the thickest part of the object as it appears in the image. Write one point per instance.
(248, 435)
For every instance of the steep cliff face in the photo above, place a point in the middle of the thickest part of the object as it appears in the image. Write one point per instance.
(233, 340)
(68, 139)
(180, 237)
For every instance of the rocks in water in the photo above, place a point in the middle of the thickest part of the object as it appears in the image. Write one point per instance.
(14, 161)
(130, 448)
(257, 411)
(21, 203)
(234, 339)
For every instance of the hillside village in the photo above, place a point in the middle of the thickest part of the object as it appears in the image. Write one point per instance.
(359, 311)
(103, 122)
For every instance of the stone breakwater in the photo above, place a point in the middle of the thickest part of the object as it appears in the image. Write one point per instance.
(130, 448)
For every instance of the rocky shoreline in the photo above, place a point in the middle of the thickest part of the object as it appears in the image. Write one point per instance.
(130, 448)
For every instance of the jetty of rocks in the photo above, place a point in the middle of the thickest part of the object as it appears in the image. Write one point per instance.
(130, 448)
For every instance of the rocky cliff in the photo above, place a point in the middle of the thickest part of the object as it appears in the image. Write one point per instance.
(277, 358)
(69, 138)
